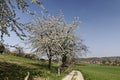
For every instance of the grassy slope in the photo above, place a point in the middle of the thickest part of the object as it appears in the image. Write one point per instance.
(98, 72)
(16, 68)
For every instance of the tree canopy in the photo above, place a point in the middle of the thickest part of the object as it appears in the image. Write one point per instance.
(8, 18)
(53, 36)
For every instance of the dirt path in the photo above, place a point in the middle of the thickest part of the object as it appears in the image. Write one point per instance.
(74, 75)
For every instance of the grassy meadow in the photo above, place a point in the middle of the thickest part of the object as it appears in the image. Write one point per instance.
(99, 72)
(16, 68)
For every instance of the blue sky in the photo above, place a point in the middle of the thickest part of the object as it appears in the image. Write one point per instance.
(100, 27)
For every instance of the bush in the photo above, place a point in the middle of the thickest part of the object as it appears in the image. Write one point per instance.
(30, 56)
(2, 48)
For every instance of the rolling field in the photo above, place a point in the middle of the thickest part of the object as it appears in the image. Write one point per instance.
(99, 72)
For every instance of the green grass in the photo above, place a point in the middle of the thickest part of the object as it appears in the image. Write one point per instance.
(16, 68)
(99, 72)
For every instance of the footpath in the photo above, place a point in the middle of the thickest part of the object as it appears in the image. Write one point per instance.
(74, 75)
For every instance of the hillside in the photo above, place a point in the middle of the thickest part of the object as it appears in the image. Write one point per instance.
(16, 68)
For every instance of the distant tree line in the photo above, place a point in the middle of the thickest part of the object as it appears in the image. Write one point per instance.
(111, 61)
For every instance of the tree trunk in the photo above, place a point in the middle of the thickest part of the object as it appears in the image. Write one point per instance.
(64, 60)
(50, 57)
(49, 64)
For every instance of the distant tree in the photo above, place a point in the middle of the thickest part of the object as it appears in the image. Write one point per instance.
(7, 50)
(103, 62)
(8, 19)
(19, 51)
